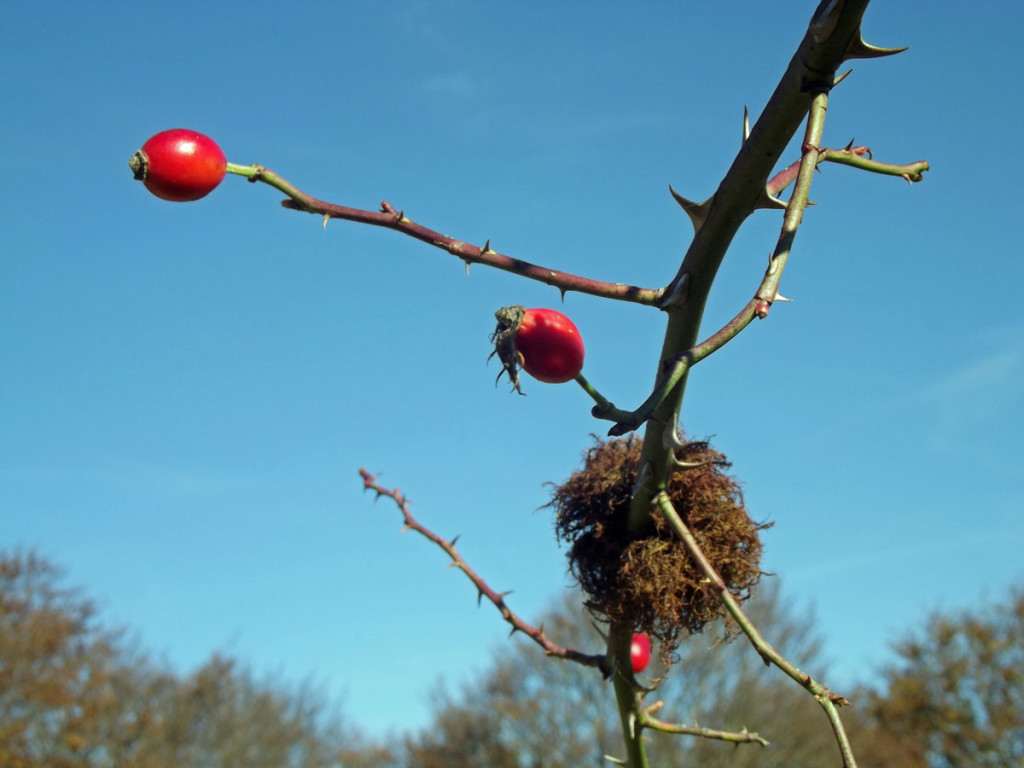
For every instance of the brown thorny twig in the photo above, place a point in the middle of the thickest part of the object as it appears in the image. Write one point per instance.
(537, 634)
(701, 261)
(483, 589)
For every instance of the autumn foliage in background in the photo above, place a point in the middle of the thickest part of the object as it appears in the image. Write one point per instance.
(74, 694)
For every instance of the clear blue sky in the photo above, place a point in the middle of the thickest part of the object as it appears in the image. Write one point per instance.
(187, 391)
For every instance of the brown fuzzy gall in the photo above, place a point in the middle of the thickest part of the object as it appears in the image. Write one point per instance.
(651, 584)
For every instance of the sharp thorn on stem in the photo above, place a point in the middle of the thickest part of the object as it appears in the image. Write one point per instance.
(858, 49)
(678, 293)
(690, 464)
(767, 200)
(697, 212)
(610, 672)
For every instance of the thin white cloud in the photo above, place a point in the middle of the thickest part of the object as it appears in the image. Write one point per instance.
(978, 395)
(986, 376)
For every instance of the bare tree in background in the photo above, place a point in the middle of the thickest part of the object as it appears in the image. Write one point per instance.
(955, 696)
(74, 695)
(526, 711)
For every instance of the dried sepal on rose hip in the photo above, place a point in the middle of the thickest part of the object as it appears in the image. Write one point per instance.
(543, 342)
(179, 165)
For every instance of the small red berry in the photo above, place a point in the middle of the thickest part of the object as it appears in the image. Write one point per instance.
(640, 652)
(179, 165)
(544, 342)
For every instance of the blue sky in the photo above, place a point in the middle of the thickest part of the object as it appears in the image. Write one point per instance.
(188, 390)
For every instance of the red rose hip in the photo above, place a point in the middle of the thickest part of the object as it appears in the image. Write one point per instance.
(640, 652)
(179, 165)
(544, 342)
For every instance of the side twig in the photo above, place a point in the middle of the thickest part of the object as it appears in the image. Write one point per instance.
(676, 367)
(390, 218)
(647, 720)
(483, 590)
(829, 701)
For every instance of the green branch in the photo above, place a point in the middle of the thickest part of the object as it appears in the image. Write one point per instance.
(828, 700)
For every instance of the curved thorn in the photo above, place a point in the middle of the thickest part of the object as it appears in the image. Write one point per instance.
(697, 212)
(690, 464)
(641, 477)
(327, 217)
(858, 49)
(678, 294)
(767, 200)
(670, 438)
(746, 123)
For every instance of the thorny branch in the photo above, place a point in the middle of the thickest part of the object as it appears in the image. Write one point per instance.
(646, 719)
(483, 590)
(833, 36)
(674, 368)
(828, 700)
(390, 218)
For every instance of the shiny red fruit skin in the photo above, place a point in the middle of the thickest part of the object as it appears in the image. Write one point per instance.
(550, 345)
(181, 165)
(640, 652)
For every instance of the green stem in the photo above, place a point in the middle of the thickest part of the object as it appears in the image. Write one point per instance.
(821, 693)
(736, 737)
(798, 201)
(627, 696)
(601, 400)
(911, 171)
(832, 36)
